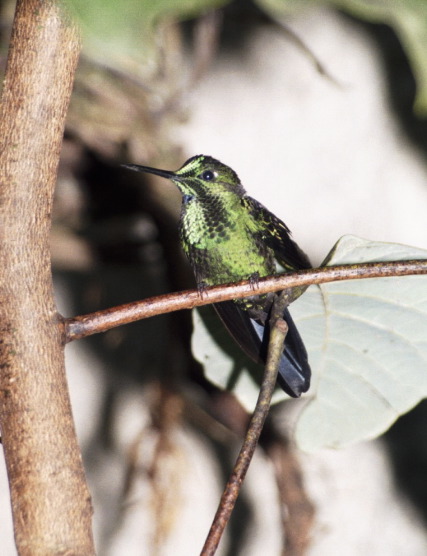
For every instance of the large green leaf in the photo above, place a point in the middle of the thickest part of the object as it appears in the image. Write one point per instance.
(367, 345)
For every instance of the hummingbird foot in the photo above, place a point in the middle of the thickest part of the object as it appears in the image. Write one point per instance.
(254, 280)
(201, 288)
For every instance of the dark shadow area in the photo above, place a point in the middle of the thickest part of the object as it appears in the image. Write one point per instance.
(407, 446)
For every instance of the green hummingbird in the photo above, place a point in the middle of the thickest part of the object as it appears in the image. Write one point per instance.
(227, 237)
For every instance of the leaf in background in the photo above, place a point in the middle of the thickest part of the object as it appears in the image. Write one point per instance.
(119, 30)
(367, 346)
(408, 18)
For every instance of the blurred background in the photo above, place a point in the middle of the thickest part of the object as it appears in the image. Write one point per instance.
(321, 108)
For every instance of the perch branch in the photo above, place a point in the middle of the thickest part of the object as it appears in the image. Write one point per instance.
(101, 321)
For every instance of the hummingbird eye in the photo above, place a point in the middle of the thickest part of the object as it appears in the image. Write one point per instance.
(208, 175)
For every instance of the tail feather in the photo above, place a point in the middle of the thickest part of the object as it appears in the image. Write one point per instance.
(294, 370)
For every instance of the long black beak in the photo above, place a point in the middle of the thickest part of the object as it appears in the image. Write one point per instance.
(162, 173)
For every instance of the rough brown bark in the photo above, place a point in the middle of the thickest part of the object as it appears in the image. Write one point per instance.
(50, 501)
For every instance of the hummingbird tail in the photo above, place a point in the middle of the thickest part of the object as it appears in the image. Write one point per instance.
(294, 370)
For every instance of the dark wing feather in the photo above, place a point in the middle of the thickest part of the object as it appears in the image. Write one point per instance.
(252, 337)
(277, 237)
(240, 327)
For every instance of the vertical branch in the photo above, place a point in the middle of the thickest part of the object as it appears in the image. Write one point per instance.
(50, 501)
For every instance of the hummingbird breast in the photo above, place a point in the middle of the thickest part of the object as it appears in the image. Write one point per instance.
(219, 239)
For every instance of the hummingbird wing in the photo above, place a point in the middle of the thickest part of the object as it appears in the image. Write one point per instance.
(277, 236)
(252, 336)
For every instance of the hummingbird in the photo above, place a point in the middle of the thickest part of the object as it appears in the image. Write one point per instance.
(227, 237)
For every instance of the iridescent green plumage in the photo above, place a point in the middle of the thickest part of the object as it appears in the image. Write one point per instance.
(229, 236)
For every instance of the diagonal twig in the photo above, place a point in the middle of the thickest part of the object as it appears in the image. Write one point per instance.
(279, 329)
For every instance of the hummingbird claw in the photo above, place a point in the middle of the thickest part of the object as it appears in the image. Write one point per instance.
(202, 287)
(254, 280)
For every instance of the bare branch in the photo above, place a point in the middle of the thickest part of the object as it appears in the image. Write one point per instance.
(101, 321)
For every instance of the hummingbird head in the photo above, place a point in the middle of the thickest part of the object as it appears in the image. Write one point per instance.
(200, 176)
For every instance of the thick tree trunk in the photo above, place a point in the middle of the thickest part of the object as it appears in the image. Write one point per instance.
(50, 501)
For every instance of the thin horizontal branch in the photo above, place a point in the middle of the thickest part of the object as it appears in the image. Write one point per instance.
(101, 321)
